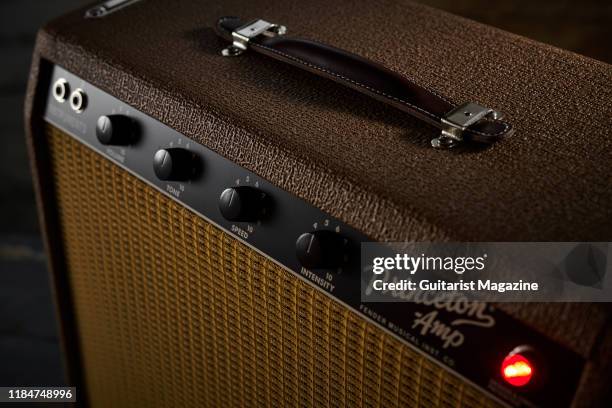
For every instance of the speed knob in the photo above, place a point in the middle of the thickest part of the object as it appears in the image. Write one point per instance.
(320, 249)
(175, 164)
(243, 203)
(116, 130)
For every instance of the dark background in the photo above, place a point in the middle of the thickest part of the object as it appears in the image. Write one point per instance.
(29, 351)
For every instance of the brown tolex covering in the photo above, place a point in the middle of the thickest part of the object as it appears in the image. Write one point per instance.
(359, 160)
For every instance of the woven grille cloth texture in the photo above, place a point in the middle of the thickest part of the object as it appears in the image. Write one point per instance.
(174, 312)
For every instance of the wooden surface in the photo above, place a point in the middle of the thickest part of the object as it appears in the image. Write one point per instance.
(29, 347)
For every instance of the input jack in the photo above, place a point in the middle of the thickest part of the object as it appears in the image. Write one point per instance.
(78, 100)
(61, 90)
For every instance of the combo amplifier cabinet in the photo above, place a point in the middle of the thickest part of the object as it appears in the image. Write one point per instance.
(205, 183)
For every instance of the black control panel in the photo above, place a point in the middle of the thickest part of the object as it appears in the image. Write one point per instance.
(255, 211)
(316, 247)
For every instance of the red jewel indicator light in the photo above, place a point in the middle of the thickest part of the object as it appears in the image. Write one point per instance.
(517, 370)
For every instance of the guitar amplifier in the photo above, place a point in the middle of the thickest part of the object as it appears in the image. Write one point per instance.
(205, 183)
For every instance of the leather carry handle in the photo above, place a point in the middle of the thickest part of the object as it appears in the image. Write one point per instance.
(466, 122)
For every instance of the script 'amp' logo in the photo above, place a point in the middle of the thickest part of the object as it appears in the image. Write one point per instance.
(451, 313)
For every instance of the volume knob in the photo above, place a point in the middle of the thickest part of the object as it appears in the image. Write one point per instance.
(320, 249)
(116, 130)
(175, 164)
(243, 203)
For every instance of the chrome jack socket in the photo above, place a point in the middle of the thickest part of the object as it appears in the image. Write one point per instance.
(78, 100)
(61, 90)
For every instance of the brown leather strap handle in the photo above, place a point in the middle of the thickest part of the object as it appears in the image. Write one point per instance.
(470, 122)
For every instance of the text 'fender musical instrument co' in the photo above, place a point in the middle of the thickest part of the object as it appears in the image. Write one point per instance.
(205, 184)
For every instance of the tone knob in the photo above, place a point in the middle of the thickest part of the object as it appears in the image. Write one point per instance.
(320, 249)
(116, 130)
(175, 164)
(243, 203)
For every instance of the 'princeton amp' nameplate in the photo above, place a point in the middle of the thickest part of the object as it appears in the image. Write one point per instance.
(469, 338)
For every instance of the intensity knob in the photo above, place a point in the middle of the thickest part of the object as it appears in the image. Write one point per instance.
(175, 164)
(243, 203)
(116, 130)
(320, 249)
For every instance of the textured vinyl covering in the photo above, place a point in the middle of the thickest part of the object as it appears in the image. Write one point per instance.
(356, 159)
(359, 160)
(174, 312)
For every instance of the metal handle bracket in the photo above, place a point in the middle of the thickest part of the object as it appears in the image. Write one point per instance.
(242, 35)
(456, 121)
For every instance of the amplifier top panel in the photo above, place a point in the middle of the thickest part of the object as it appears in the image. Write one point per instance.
(365, 163)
